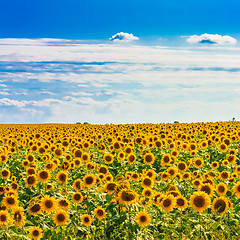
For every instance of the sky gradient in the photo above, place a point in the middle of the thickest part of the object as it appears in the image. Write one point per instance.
(119, 62)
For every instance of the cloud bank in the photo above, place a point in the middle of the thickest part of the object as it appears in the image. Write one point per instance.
(212, 39)
(99, 82)
(123, 37)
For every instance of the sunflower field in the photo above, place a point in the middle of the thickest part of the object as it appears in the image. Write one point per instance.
(126, 181)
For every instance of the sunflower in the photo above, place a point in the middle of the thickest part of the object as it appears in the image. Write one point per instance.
(35, 209)
(62, 177)
(198, 162)
(5, 218)
(182, 166)
(131, 158)
(143, 219)
(86, 220)
(18, 216)
(3, 158)
(215, 165)
(186, 176)
(166, 159)
(207, 188)
(236, 189)
(149, 158)
(110, 187)
(99, 213)
(121, 156)
(89, 180)
(43, 176)
(224, 175)
(103, 169)
(10, 201)
(168, 203)
(147, 182)
(200, 201)
(135, 177)
(127, 197)
(221, 189)
(108, 158)
(61, 217)
(30, 158)
(25, 163)
(63, 204)
(77, 162)
(50, 166)
(231, 159)
(35, 233)
(77, 197)
(14, 186)
(223, 147)
(172, 171)
(181, 202)
(220, 205)
(5, 174)
(77, 185)
(148, 192)
(85, 157)
(48, 204)
(77, 153)
(196, 183)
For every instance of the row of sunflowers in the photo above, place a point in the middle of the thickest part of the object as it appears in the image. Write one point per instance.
(126, 181)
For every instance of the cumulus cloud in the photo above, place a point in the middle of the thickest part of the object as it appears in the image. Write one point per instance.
(212, 39)
(123, 37)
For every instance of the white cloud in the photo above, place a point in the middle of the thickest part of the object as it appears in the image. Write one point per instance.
(212, 39)
(123, 37)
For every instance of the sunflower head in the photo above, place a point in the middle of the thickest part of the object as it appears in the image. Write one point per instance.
(200, 201)
(143, 219)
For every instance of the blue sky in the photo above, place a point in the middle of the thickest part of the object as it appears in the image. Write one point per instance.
(119, 62)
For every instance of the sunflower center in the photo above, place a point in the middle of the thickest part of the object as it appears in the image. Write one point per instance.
(198, 162)
(11, 201)
(63, 203)
(100, 212)
(111, 186)
(147, 182)
(148, 158)
(182, 166)
(180, 202)
(127, 197)
(44, 175)
(166, 159)
(60, 217)
(167, 203)
(86, 219)
(143, 219)
(3, 218)
(89, 180)
(35, 233)
(62, 177)
(103, 170)
(4, 173)
(199, 201)
(31, 180)
(78, 153)
(206, 189)
(49, 204)
(35, 208)
(221, 189)
(220, 206)
(77, 197)
(108, 159)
